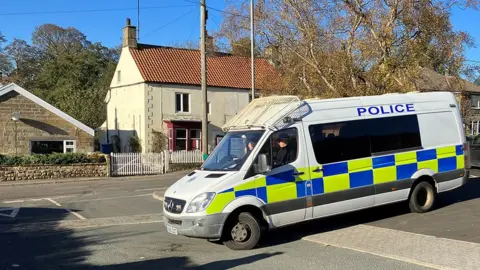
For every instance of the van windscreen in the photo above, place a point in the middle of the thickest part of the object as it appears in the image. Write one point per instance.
(232, 151)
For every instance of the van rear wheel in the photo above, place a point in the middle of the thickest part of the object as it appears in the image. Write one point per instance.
(243, 232)
(422, 198)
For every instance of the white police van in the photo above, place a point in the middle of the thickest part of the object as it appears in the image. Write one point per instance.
(284, 161)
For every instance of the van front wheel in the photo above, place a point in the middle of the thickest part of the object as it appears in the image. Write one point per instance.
(422, 198)
(243, 232)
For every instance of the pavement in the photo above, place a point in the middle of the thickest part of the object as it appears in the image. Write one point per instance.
(118, 223)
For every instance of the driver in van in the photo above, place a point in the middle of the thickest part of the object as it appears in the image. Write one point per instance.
(284, 154)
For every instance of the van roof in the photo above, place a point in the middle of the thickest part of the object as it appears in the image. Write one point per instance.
(263, 112)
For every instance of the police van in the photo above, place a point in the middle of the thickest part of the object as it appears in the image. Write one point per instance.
(284, 160)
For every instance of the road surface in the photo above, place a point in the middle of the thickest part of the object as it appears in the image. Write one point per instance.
(118, 223)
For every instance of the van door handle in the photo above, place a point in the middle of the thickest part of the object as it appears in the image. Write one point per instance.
(298, 173)
(318, 169)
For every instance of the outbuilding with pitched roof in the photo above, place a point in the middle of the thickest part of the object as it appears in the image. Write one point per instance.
(30, 125)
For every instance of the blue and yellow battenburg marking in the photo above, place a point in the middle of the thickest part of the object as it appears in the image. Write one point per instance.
(340, 176)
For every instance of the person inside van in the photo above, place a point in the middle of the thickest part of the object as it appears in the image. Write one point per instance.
(252, 142)
(251, 145)
(284, 154)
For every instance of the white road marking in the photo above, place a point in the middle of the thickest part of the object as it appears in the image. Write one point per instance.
(474, 176)
(148, 189)
(54, 202)
(40, 199)
(76, 214)
(68, 210)
(13, 214)
(111, 198)
(22, 201)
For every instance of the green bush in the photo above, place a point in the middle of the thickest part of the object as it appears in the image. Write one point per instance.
(135, 145)
(54, 159)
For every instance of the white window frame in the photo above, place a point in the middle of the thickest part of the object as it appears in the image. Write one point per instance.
(182, 96)
(475, 128)
(64, 143)
(478, 105)
(73, 146)
(475, 106)
(199, 139)
(185, 139)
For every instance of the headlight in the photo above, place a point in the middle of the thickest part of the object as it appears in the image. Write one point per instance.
(200, 202)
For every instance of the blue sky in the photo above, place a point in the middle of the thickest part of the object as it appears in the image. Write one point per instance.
(177, 21)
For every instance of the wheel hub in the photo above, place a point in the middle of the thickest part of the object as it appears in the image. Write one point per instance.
(422, 197)
(240, 232)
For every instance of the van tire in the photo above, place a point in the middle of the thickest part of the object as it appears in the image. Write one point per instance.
(243, 232)
(423, 197)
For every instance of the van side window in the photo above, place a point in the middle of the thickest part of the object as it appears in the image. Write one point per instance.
(281, 148)
(393, 133)
(284, 147)
(334, 142)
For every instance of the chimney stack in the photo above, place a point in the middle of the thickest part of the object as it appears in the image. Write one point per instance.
(129, 35)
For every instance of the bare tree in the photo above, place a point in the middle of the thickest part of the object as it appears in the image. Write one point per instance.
(184, 44)
(349, 47)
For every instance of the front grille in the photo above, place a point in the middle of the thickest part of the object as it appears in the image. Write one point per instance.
(176, 222)
(173, 205)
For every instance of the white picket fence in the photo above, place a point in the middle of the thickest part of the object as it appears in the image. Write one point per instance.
(125, 164)
(194, 156)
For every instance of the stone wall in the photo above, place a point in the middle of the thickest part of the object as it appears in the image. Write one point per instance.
(33, 172)
(35, 123)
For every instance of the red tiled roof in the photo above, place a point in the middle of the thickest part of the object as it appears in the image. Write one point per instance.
(182, 66)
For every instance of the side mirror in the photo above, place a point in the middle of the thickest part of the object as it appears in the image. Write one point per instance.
(262, 164)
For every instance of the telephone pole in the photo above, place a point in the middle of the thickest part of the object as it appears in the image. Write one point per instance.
(138, 20)
(252, 47)
(203, 22)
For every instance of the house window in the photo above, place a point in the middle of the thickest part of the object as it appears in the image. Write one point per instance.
(475, 99)
(475, 128)
(218, 138)
(49, 147)
(69, 146)
(195, 139)
(180, 139)
(209, 107)
(182, 102)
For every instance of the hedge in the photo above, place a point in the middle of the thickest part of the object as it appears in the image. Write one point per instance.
(52, 159)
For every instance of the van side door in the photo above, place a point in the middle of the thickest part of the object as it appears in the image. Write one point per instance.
(283, 187)
(341, 167)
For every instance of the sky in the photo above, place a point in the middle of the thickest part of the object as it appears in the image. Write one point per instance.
(162, 22)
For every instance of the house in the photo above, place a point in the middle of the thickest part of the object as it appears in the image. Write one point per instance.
(467, 93)
(158, 89)
(29, 125)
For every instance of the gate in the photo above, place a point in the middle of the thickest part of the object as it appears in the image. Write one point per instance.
(126, 164)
